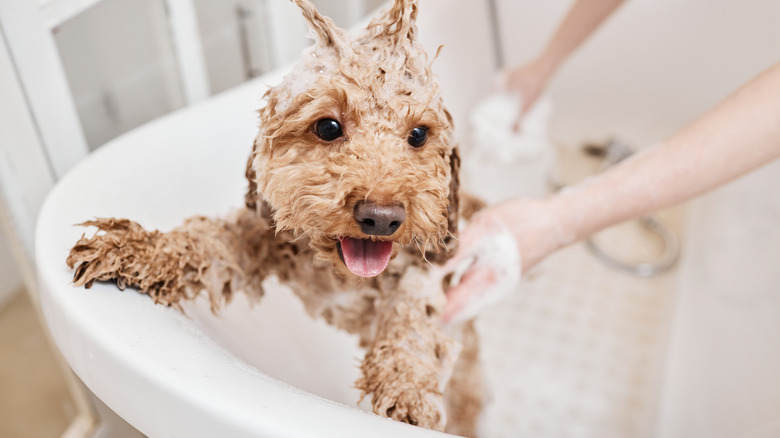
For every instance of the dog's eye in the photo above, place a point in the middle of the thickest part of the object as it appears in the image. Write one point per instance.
(418, 136)
(328, 129)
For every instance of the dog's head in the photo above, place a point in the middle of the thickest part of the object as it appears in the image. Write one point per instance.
(356, 150)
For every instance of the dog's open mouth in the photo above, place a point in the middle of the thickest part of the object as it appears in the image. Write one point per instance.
(365, 257)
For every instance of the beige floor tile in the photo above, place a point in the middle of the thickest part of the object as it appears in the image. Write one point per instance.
(34, 399)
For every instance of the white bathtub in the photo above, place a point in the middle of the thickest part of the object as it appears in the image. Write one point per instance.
(248, 372)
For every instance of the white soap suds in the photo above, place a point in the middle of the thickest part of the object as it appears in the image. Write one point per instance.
(492, 121)
(497, 252)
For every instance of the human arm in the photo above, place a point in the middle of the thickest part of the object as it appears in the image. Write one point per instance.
(530, 79)
(735, 137)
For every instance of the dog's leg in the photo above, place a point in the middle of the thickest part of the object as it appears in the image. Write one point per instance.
(407, 366)
(410, 359)
(212, 255)
(465, 394)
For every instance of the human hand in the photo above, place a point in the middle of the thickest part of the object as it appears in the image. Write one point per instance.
(528, 81)
(497, 245)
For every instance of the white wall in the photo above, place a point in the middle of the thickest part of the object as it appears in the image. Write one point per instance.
(723, 368)
(25, 177)
(464, 67)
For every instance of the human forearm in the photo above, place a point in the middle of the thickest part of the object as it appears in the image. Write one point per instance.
(580, 22)
(737, 136)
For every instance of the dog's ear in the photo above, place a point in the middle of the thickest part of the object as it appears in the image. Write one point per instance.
(250, 199)
(439, 255)
(453, 209)
(267, 213)
(324, 32)
(397, 22)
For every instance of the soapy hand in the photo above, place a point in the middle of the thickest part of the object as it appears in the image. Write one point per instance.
(486, 267)
(493, 248)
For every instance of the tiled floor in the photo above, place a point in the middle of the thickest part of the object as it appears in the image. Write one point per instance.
(34, 400)
(576, 351)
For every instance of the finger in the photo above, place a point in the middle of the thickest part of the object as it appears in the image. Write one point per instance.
(473, 282)
(518, 123)
(478, 228)
(525, 107)
(457, 259)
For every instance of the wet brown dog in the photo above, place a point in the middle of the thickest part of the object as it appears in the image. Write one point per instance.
(353, 194)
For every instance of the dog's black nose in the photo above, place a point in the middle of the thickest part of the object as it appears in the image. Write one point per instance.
(379, 220)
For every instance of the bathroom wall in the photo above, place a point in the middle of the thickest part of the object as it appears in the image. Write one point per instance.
(463, 66)
(722, 376)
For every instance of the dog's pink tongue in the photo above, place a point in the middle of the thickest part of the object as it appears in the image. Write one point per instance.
(365, 257)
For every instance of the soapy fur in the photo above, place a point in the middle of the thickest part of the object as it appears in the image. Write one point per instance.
(301, 198)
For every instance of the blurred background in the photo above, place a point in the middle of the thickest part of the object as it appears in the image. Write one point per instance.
(692, 352)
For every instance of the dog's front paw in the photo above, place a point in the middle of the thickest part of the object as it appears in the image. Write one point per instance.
(166, 266)
(414, 406)
(108, 254)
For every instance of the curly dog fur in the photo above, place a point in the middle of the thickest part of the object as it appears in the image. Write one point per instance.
(374, 91)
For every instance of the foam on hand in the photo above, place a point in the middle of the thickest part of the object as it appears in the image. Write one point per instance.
(496, 252)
